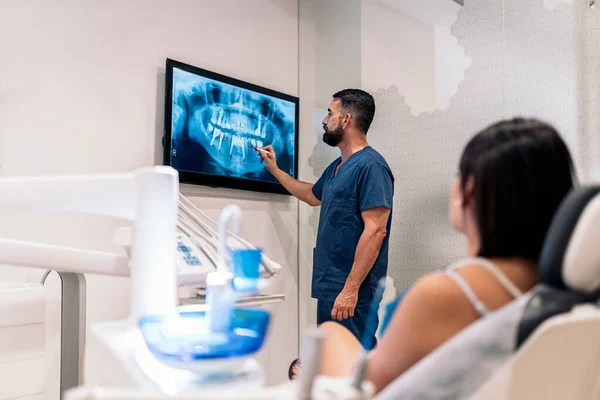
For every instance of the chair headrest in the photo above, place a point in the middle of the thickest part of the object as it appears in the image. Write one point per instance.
(545, 303)
(570, 257)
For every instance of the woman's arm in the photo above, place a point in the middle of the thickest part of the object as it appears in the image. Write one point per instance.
(433, 311)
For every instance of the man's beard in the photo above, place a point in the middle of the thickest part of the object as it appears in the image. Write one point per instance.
(333, 137)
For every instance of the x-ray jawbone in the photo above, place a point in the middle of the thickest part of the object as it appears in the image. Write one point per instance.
(226, 121)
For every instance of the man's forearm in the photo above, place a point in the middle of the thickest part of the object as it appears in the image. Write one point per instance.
(300, 190)
(366, 253)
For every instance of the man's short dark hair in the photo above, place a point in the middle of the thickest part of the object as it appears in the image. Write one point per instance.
(521, 170)
(360, 105)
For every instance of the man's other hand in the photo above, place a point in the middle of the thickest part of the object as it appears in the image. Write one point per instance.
(344, 305)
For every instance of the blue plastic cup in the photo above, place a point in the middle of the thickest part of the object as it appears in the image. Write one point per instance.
(246, 264)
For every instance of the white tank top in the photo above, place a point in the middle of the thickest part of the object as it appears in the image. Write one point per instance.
(464, 286)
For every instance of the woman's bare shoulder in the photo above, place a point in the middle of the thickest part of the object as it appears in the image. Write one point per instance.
(436, 286)
(438, 296)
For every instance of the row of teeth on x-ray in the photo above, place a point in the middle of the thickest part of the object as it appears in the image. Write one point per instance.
(240, 125)
(236, 141)
(238, 122)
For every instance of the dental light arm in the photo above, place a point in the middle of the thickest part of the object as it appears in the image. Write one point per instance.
(148, 197)
(62, 259)
(110, 195)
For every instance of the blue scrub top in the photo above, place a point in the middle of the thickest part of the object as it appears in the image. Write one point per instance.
(363, 182)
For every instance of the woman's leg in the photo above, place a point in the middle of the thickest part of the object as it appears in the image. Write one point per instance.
(339, 350)
(323, 316)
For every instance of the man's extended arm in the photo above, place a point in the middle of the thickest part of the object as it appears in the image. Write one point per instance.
(367, 250)
(301, 190)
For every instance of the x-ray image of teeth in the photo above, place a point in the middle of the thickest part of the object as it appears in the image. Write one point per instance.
(214, 125)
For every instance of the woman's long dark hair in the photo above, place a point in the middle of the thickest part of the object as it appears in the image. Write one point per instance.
(521, 170)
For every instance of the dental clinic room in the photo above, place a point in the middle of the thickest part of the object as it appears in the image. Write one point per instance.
(299, 199)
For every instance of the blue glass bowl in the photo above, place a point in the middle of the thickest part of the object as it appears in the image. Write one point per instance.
(185, 337)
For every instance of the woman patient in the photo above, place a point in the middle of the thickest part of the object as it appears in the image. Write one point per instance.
(512, 177)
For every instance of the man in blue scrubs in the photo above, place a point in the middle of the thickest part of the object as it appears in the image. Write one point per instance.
(356, 196)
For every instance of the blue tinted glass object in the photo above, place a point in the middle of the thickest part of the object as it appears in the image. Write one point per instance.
(186, 336)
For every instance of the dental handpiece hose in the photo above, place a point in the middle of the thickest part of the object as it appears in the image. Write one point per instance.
(367, 342)
(220, 297)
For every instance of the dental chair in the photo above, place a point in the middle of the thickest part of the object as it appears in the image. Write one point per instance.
(543, 345)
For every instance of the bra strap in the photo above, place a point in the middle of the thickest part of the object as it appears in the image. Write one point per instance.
(488, 265)
(464, 286)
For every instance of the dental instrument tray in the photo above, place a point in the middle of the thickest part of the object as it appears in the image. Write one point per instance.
(186, 337)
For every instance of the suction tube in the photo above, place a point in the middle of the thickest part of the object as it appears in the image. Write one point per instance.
(220, 298)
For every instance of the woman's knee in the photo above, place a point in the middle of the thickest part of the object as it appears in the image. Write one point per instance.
(331, 328)
(339, 349)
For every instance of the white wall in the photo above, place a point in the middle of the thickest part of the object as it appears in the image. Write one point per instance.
(399, 50)
(409, 45)
(81, 91)
(544, 56)
(450, 65)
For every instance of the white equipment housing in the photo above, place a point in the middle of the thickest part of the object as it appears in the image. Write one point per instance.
(149, 198)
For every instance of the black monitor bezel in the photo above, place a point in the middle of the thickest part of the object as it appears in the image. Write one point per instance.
(202, 179)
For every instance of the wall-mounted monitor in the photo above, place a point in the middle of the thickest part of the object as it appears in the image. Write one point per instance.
(212, 121)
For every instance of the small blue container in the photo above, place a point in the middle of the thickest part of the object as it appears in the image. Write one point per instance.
(246, 264)
(186, 337)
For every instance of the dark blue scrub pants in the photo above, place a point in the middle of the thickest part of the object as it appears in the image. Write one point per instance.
(356, 324)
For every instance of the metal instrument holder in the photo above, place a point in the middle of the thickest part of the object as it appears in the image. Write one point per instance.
(254, 301)
(72, 329)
